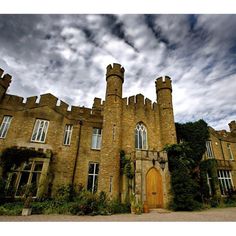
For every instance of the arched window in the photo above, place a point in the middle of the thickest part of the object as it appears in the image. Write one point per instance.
(140, 136)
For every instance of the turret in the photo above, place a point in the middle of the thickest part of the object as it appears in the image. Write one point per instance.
(4, 83)
(111, 133)
(164, 102)
(232, 126)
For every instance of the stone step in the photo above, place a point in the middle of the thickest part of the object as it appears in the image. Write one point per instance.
(159, 210)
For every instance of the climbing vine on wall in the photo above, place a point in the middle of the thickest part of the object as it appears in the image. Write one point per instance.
(15, 156)
(126, 165)
(184, 164)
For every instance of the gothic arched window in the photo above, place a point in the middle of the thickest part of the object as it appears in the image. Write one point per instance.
(140, 136)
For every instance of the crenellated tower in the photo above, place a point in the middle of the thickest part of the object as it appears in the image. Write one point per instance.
(4, 83)
(164, 102)
(111, 132)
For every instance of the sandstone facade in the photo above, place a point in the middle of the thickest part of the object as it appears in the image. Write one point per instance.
(83, 145)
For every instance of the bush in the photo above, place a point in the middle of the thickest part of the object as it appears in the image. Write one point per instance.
(117, 207)
(14, 208)
(65, 193)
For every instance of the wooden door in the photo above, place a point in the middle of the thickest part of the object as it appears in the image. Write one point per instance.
(154, 190)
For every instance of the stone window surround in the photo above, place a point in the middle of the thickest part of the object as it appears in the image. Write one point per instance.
(6, 121)
(38, 131)
(141, 130)
(67, 134)
(96, 141)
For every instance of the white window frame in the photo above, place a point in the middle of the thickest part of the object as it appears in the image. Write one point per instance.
(225, 179)
(231, 156)
(37, 135)
(209, 150)
(5, 126)
(67, 134)
(19, 173)
(96, 139)
(94, 175)
(141, 133)
(209, 184)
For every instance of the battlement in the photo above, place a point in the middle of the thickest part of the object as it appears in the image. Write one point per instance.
(115, 70)
(163, 82)
(5, 79)
(54, 103)
(138, 101)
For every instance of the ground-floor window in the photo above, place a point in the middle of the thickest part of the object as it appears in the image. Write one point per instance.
(209, 182)
(26, 176)
(226, 183)
(93, 177)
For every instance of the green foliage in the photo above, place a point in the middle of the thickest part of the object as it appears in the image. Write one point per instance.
(14, 208)
(14, 156)
(184, 164)
(116, 207)
(209, 167)
(2, 191)
(195, 134)
(65, 193)
(126, 165)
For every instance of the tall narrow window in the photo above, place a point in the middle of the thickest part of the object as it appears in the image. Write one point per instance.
(140, 136)
(93, 177)
(67, 134)
(226, 183)
(96, 138)
(231, 157)
(5, 126)
(40, 131)
(110, 188)
(209, 180)
(209, 149)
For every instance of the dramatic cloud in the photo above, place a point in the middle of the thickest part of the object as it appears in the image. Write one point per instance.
(67, 55)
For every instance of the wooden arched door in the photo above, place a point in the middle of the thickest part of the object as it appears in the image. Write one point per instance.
(154, 191)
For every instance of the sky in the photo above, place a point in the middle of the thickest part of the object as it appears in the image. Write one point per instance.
(67, 55)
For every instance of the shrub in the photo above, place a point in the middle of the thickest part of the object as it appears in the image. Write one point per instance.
(65, 193)
(14, 208)
(117, 207)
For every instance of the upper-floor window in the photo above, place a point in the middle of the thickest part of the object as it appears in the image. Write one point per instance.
(231, 157)
(209, 150)
(96, 138)
(5, 126)
(67, 134)
(140, 136)
(40, 131)
(93, 177)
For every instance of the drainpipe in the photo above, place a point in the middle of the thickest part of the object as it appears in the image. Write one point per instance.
(77, 153)
(222, 152)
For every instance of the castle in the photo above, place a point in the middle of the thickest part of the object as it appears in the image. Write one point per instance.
(83, 145)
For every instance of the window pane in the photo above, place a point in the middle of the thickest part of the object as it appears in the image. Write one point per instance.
(91, 168)
(35, 183)
(5, 126)
(96, 168)
(27, 166)
(96, 139)
(40, 131)
(95, 187)
(90, 183)
(38, 166)
(23, 182)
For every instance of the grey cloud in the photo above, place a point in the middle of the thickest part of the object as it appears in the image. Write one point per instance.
(67, 56)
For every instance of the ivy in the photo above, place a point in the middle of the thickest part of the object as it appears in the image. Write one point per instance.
(14, 156)
(126, 165)
(184, 164)
(208, 167)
